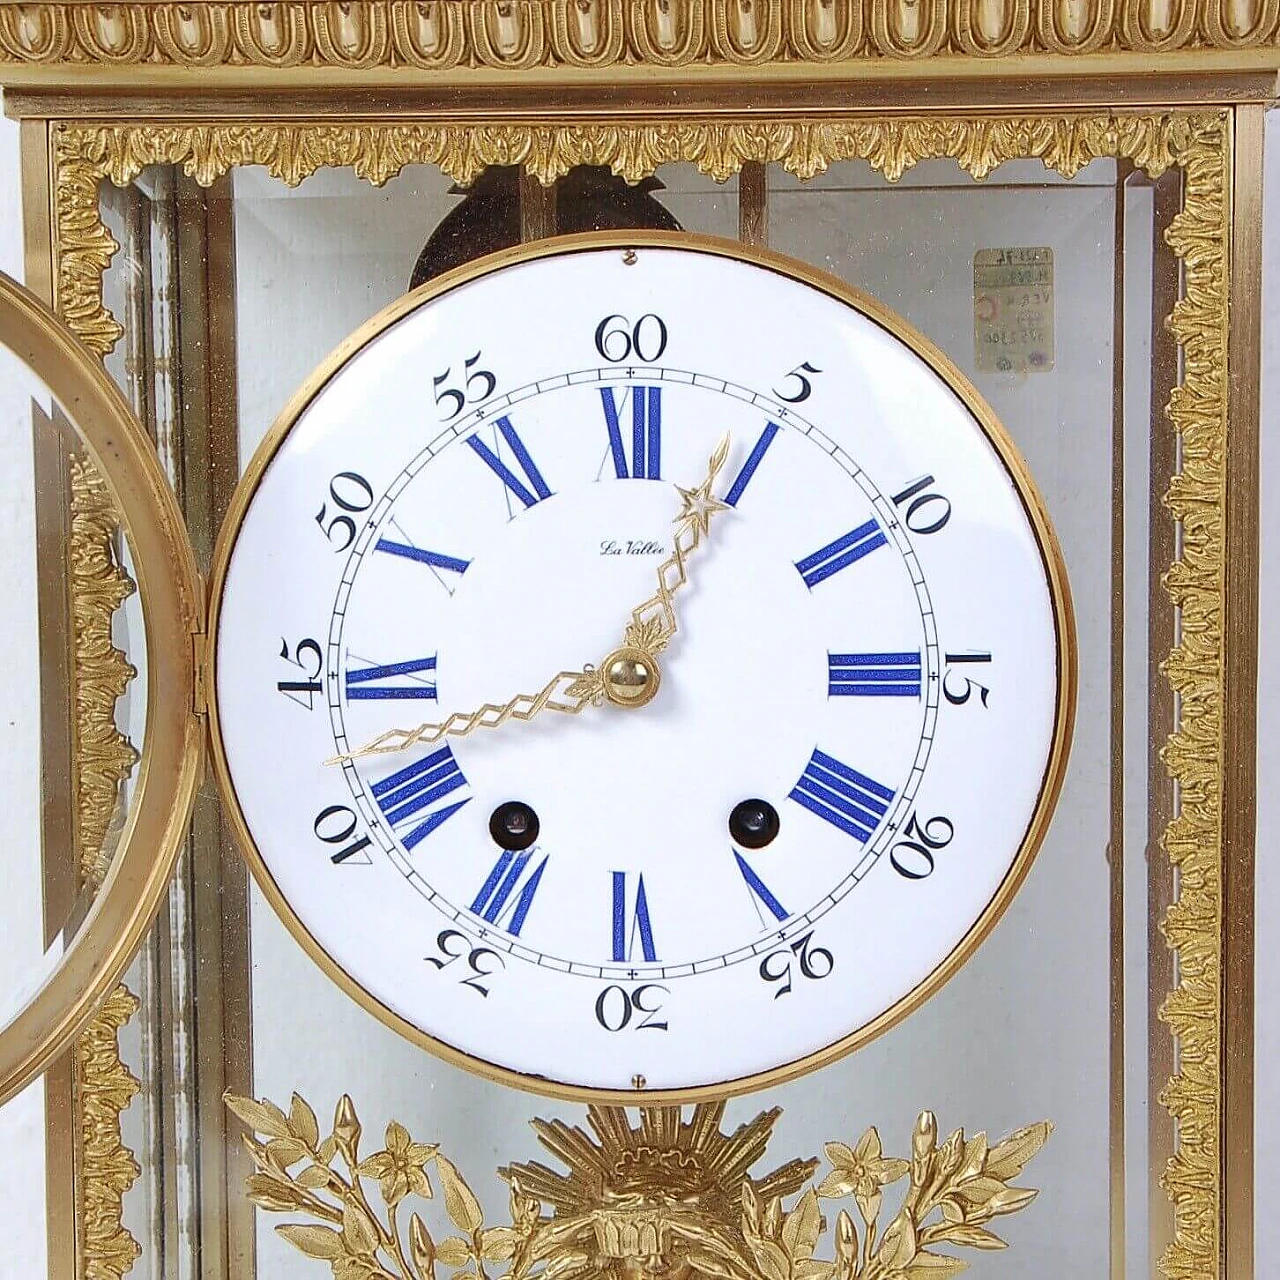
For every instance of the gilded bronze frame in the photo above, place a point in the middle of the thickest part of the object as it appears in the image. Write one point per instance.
(297, 86)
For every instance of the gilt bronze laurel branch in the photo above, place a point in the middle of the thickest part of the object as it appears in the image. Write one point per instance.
(668, 1196)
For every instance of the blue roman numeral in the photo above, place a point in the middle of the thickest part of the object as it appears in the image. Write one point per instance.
(504, 473)
(624, 938)
(873, 675)
(760, 890)
(849, 800)
(502, 899)
(405, 794)
(754, 459)
(841, 553)
(646, 433)
(422, 556)
(366, 682)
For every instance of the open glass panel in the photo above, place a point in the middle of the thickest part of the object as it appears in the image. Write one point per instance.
(1049, 295)
(95, 770)
(79, 652)
(43, 889)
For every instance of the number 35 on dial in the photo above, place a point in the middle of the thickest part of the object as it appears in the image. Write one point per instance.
(642, 667)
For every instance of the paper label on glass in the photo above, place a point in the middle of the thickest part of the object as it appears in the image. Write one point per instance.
(1013, 310)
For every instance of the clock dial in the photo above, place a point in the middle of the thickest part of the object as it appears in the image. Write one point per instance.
(860, 722)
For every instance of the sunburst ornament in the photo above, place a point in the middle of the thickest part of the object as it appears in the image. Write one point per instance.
(668, 1199)
(663, 1198)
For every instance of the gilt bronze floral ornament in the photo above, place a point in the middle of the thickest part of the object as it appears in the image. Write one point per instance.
(668, 1198)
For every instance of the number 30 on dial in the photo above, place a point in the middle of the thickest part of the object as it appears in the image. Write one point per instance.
(641, 667)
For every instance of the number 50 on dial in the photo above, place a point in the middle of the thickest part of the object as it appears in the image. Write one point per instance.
(822, 686)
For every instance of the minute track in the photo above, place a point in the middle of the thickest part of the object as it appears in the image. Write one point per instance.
(784, 419)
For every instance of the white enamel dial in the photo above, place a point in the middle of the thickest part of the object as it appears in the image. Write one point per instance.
(862, 715)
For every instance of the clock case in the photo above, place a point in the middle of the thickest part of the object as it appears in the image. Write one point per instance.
(1182, 91)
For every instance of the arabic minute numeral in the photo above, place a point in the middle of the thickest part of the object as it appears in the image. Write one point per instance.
(958, 688)
(912, 858)
(617, 1008)
(483, 962)
(476, 385)
(927, 511)
(309, 660)
(617, 338)
(352, 494)
(805, 388)
(814, 963)
(336, 826)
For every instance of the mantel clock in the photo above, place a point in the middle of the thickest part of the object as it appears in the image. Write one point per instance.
(640, 553)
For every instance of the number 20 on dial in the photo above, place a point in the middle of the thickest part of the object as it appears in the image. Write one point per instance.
(642, 667)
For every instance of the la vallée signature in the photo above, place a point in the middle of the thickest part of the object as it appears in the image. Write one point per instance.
(631, 547)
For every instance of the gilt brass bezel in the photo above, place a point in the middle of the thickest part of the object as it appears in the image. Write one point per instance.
(1055, 577)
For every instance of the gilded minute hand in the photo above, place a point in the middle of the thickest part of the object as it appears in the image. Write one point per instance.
(628, 677)
(653, 623)
(570, 692)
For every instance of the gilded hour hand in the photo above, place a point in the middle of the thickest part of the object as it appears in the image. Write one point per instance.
(628, 677)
